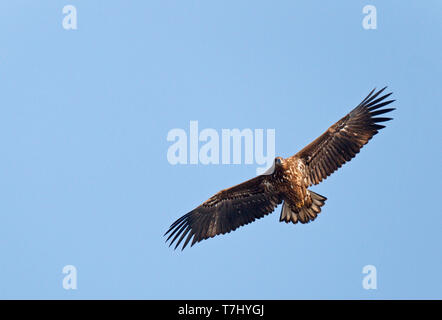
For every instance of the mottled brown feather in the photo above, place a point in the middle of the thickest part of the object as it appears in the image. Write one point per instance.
(244, 203)
(226, 211)
(343, 140)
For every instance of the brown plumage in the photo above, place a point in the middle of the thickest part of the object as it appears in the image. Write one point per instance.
(287, 181)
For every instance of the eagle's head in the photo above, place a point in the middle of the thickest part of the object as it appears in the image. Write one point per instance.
(276, 166)
(278, 161)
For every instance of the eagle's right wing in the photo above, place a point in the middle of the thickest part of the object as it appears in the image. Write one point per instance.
(227, 210)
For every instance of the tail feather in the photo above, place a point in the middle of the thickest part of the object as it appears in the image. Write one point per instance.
(304, 214)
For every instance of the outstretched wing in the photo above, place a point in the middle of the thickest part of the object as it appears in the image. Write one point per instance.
(343, 140)
(227, 210)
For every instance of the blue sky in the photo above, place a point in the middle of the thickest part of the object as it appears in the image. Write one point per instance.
(84, 176)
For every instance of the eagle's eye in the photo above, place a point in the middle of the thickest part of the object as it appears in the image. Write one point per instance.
(278, 160)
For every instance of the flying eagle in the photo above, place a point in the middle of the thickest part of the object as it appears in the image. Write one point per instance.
(287, 181)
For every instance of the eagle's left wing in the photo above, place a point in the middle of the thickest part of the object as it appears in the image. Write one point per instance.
(227, 210)
(343, 140)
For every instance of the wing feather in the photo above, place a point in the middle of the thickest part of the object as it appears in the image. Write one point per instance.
(226, 211)
(343, 140)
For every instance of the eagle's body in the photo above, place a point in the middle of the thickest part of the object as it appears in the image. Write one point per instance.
(287, 181)
(299, 202)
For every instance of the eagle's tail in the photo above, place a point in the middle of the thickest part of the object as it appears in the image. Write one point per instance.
(304, 214)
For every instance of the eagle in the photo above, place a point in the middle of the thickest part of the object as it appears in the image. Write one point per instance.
(287, 181)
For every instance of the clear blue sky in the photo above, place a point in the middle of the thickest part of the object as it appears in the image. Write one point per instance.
(84, 176)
